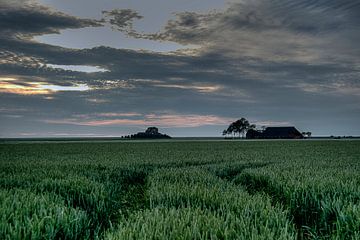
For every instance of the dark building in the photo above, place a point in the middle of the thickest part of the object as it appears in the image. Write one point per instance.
(254, 134)
(275, 133)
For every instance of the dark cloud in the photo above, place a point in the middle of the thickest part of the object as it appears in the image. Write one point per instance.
(30, 18)
(304, 17)
(122, 19)
(310, 32)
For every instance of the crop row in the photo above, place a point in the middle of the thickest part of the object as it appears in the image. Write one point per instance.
(186, 190)
(192, 203)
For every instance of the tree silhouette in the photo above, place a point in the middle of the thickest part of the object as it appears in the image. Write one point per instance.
(240, 127)
(231, 129)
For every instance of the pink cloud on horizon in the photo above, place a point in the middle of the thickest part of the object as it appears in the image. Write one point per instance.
(165, 120)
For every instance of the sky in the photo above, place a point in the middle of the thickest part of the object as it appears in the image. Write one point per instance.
(87, 68)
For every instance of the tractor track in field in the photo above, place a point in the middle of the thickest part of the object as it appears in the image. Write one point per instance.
(231, 174)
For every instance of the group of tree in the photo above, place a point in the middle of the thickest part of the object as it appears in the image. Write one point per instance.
(238, 128)
(150, 133)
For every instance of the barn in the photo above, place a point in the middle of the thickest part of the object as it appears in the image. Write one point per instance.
(275, 133)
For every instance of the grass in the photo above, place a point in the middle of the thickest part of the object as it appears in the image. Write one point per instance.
(180, 190)
(25, 215)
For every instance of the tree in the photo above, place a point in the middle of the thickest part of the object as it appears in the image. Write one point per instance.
(152, 130)
(230, 129)
(240, 127)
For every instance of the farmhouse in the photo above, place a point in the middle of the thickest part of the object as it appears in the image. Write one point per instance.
(275, 133)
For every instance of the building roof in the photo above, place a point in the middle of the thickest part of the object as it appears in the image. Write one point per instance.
(275, 132)
(281, 132)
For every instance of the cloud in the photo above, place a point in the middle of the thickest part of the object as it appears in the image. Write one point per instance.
(161, 120)
(259, 124)
(112, 114)
(305, 31)
(20, 21)
(279, 60)
(199, 88)
(64, 135)
(336, 88)
(28, 18)
(78, 68)
(12, 85)
(122, 19)
(239, 49)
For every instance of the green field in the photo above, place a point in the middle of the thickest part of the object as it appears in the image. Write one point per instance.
(180, 190)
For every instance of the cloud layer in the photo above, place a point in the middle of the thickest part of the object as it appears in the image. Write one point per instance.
(28, 18)
(295, 62)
